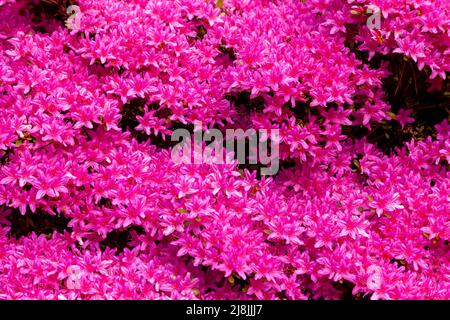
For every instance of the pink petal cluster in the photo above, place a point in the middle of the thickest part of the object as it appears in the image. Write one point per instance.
(215, 231)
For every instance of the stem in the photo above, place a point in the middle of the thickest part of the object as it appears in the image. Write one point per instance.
(415, 79)
(401, 78)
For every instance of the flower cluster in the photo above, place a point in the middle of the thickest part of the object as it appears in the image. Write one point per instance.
(86, 115)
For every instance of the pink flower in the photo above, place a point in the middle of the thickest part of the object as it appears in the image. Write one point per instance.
(4, 213)
(386, 203)
(403, 117)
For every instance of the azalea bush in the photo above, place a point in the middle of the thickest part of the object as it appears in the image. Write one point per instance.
(92, 205)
